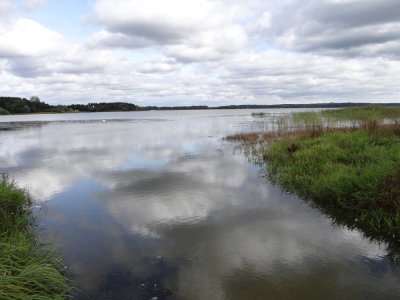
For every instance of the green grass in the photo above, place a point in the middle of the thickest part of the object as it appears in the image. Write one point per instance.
(350, 117)
(4, 111)
(365, 113)
(345, 161)
(307, 117)
(356, 172)
(27, 269)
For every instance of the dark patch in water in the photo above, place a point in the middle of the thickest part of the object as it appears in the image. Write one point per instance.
(121, 283)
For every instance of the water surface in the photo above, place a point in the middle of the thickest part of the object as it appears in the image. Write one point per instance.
(155, 205)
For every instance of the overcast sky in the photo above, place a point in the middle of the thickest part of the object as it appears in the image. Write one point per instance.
(184, 52)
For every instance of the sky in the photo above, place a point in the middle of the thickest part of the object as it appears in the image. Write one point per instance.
(200, 52)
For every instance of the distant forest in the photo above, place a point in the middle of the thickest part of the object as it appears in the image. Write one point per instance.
(15, 105)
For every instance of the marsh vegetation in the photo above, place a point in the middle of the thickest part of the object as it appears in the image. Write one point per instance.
(346, 161)
(27, 269)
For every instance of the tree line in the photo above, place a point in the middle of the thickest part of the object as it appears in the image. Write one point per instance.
(15, 105)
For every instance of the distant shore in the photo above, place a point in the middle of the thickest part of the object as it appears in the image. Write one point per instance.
(16, 105)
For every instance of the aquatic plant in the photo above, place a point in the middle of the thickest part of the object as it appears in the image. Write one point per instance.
(27, 269)
(258, 114)
(350, 172)
(347, 117)
(366, 113)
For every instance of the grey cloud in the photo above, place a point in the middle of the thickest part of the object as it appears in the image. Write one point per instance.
(156, 31)
(152, 22)
(196, 31)
(338, 28)
(187, 55)
(352, 38)
(82, 63)
(358, 13)
(324, 51)
(76, 69)
(109, 39)
(32, 67)
(27, 67)
(269, 77)
(294, 77)
(331, 28)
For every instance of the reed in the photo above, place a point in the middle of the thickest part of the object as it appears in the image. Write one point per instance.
(346, 161)
(27, 269)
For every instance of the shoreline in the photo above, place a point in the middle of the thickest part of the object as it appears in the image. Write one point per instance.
(351, 173)
(23, 106)
(28, 270)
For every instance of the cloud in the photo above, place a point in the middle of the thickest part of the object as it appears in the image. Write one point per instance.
(189, 31)
(27, 38)
(209, 52)
(5, 8)
(107, 39)
(294, 76)
(33, 4)
(159, 66)
(158, 21)
(31, 50)
(27, 67)
(351, 28)
(210, 45)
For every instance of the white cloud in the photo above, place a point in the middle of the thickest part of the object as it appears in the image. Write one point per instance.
(209, 52)
(210, 45)
(31, 50)
(189, 30)
(25, 37)
(159, 66)
(161, 21)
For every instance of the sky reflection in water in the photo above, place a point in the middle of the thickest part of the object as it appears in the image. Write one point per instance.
(155, 204)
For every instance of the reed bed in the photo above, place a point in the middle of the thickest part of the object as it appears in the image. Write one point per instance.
(346, 161)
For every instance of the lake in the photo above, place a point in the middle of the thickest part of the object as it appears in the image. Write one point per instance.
(156, 205)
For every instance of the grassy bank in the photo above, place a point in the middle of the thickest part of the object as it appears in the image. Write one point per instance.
(27, 270)
(351, 172)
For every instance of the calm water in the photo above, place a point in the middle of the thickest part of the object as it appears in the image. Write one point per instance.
(155, 205)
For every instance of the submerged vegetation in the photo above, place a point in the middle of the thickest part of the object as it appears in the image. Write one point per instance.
(346, 161)
(258, 114)
(27, 269)
(350, 116)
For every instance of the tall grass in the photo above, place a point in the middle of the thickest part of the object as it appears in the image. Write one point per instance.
(27, 269)
(365, 113)
(346, 117)
(356, 171)
(346, 161)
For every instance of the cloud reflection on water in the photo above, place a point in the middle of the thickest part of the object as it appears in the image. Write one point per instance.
(124, 193)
